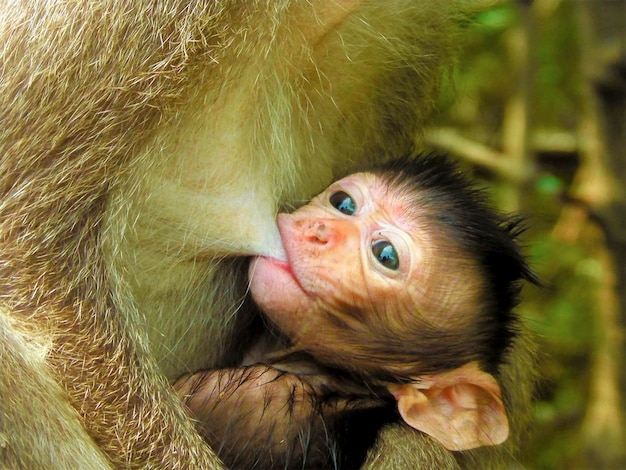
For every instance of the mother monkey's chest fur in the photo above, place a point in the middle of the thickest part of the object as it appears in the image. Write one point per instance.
(279, 112)
(143, 147)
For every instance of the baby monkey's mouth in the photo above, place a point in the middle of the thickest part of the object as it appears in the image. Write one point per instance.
(284, 265)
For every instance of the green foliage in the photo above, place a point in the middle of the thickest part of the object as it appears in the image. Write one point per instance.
(498, 18)
(563, 313)
(556, 75)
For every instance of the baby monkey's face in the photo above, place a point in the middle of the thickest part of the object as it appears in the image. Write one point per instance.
(354, 252)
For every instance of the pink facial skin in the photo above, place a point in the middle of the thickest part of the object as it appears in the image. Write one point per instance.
(331, 265)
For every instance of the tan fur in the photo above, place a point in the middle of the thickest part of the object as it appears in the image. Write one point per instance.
(144, 143)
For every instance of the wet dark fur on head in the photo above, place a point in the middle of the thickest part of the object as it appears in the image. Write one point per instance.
(462, 215)
(462, 221)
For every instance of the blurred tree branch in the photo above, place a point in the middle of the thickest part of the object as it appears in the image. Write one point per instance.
(592, 219)
(451, 140)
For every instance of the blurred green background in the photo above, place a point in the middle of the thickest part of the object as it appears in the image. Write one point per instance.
(536, 109)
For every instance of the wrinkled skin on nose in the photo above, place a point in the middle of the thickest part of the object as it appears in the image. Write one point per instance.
(316, 232)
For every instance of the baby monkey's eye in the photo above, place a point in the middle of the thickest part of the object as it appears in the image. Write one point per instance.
(386, 254)
(343, 202)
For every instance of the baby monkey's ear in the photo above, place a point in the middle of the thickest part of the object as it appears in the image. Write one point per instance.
(461, 408)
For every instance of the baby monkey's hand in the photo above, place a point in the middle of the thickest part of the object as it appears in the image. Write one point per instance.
(255, 409)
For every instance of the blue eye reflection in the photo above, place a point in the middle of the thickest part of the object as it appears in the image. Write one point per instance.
(386, 254)
(343, 202)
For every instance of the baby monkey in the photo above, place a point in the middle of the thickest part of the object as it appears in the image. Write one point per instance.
(394, 301)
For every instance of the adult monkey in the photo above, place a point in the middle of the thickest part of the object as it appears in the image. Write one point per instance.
(142, 145)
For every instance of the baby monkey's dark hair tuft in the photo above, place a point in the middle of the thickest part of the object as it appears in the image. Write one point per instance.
(464, 218)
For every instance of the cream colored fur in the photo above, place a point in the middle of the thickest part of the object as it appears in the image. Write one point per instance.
(145, 147)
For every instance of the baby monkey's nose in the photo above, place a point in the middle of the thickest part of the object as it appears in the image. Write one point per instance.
(317, 231)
